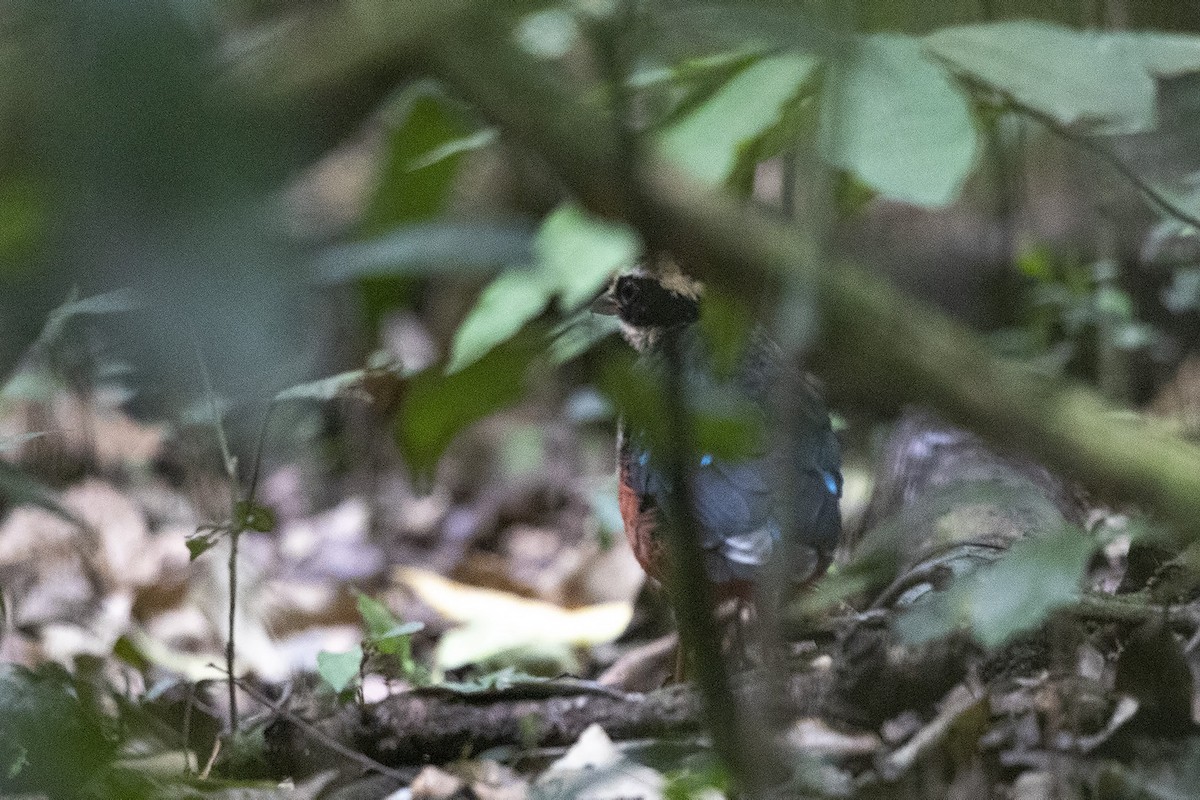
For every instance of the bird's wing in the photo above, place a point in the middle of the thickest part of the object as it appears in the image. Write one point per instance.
(737, 505)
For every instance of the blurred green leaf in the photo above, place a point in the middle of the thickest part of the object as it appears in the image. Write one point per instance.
(734, 432)
(1164, 55)
(413, 185)
(116, 302)
(387, 635)
(20, 488)
(576, 256)
(378, 618)
(548, 33)
(429, 247)
(579, 253)
(709, 141)
(726, 325)
(53, 740)
(724, 423)
(345, 384)
(897, 122)
(438, 406)
(511, 300)
(578, 333)
(23, 217)
(1081, 79)
(254, 517)
(454, 147)
(339, 670)
(1038, 575)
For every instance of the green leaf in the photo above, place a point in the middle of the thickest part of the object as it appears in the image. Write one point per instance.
(386, 634)
(376, 616)
(438, 406)
(429, 247)
(579, 253)
(414, 185)
(20, 488)
(896, 121)
(115, 302)
(579, 333)
(1038, 575)
(1081, 79)
(510, 301)
(202, 541)
(576, 256)
(254, 517)
(708, 142)
(339, 670)
(1164, 55)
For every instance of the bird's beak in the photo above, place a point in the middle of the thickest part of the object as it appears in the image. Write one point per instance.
(605, 304)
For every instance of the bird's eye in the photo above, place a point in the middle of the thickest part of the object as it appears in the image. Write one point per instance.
(626, 291)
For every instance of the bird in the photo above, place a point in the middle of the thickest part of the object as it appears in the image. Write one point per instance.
(740, 502)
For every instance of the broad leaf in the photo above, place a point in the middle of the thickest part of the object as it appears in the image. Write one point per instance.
(579, 253)
(438, 406)
(510, 301)
(339, 670)
(378, 618)
(414, 184)
(1016, 594)
(576, 256)
(895, 120)
(1081, 79)
(1164, 55)
(709, 141)
(427, 247)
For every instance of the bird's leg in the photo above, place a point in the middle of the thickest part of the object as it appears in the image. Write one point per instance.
(736, 615)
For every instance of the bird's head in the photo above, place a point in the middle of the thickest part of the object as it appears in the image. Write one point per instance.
(650, 304)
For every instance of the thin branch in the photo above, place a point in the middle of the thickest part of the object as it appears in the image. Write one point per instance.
(1106, 154)
(313, 732)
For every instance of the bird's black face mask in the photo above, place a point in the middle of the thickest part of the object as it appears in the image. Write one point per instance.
(643, 302)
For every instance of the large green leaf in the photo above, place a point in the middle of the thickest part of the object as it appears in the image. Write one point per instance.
(1164, 55)
(1087, 80)
(510, 301)
(576, 255)
(579, 253)
(339, 670)
(437, 406)
(1038, 575)
(709, 141)
(897, 122)
(413, 186)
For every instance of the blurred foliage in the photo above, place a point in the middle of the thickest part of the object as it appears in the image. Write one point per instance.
(53, 737)
(1016, 594)
(575, 257)
(386, 649)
